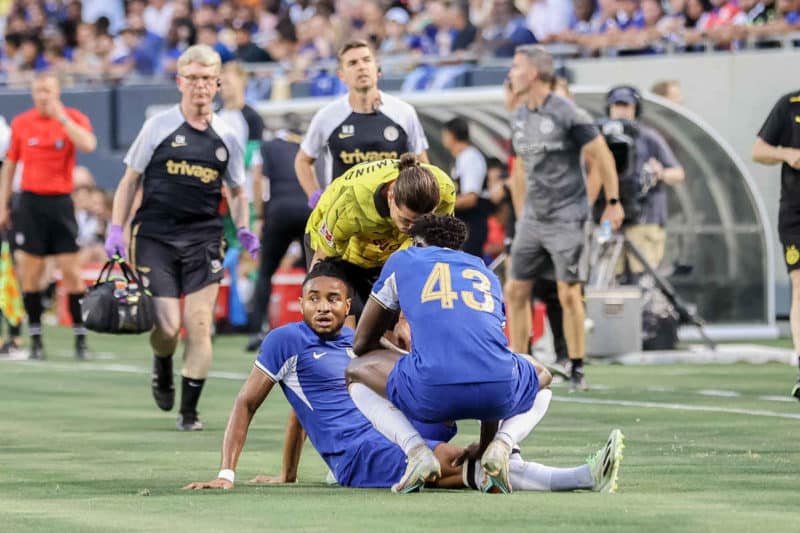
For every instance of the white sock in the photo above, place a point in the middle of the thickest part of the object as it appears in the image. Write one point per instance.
(514, 430)
(534, 476)
(386, 418)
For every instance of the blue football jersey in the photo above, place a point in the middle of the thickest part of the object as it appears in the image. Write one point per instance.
(454, 306)
(311, 373)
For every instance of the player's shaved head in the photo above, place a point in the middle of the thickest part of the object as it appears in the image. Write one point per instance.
(439, 230)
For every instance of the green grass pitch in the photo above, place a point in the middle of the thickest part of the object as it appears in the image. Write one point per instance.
(83, 448)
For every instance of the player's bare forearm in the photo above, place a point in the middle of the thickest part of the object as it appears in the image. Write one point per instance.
(767, 154)
(375, 320)
(318, 256)
(593, 184)
(249, 399)
(123, 197)
(6, 181)
(466, 200)
(488, 431)
(84, 140)
(673, 176)
(240, 208)
(518, 187)
(292, 448)
(304, 168)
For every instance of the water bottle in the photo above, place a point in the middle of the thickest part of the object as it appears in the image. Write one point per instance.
(605, 232)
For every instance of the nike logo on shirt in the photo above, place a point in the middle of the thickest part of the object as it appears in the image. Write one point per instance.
(318, 355)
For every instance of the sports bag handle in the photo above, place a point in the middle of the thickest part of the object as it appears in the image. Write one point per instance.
(127, 271)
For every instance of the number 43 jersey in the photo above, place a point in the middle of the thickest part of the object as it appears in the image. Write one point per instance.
(454, 306)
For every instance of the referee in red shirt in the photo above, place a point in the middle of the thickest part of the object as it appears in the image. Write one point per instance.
(43, 141)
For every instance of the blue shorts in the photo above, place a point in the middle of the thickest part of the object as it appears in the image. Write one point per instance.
(375, 462)
(473, 401)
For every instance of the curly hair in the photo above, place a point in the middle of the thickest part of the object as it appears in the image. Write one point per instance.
(440, 230)
(330, 267)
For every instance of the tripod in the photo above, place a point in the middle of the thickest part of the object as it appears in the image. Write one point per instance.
(605, 256)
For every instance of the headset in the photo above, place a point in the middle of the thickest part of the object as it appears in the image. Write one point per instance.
(628, 90)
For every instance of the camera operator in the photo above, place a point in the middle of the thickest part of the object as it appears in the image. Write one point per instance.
(641, 186)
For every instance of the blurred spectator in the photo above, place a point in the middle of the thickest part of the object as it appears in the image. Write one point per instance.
(463, 32)
(506, 30)
(63, 34)
(85, 60)
(113, 10)
(546, 18)
(669, 89)
(180, 36)
(248, 51)
(158, 16)
(207, 34)
(397, 40)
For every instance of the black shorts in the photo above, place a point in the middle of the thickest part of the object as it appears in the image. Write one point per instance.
(45, 225)
(791, 251)
(174, 268)
(359, 278)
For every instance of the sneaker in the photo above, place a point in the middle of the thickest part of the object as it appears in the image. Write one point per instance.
(10, 349)
(81, 349)
(559, 367)
(254, 342)
(605, 463)
(578, 380)
(188, 422)
(37, 349)
(796, 389)
(495, 464)
(422, 466)
(162, 384)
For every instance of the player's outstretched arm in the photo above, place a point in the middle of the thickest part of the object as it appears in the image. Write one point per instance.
(292, 449)
(249, 399)
(375, 320)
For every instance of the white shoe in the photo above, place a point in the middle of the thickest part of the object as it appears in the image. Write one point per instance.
(605, 463)
(495, 464)
(422, 466)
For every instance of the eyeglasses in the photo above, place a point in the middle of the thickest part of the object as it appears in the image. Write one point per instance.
(200, 80)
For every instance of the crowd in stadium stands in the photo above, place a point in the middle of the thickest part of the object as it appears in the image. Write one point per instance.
(113, 39)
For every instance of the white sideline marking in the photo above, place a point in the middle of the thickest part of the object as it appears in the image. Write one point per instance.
(679, 407)
(127, 369)
(130, 369)
(719, 393)
(785, 399)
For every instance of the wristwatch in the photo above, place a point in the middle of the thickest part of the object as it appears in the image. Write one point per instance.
(612, 201)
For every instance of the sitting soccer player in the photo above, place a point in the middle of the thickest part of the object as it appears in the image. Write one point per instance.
(459, 367)
(309, 358)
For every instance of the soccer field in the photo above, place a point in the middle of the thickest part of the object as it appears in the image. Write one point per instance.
(83, 448)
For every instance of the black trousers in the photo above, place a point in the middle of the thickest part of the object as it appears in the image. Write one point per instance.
(546, 291)
(284, 222)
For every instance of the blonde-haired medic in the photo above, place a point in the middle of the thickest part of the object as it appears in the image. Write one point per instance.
(182, 157)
